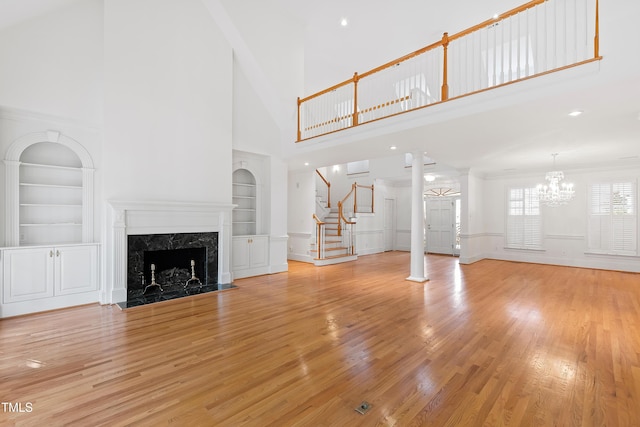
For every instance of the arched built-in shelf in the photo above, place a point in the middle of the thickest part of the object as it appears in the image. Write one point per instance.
(245, 215)
(49, 182)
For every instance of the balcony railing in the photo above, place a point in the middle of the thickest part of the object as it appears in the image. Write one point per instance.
(534, 39)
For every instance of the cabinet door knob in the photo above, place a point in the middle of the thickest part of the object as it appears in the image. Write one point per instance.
(57, 253)
(51, 254)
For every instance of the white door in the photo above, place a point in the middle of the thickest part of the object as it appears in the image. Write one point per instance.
(440, 226)
(389, 224)
(28, 274)
(240, 256)
(76, 269)
(259, 251)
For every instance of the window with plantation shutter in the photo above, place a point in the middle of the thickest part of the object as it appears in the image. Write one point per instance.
(612, 218)
(524, 224)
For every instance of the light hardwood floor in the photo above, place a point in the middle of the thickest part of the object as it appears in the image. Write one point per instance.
(494, 343)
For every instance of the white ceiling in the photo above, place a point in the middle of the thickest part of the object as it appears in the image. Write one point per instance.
(513, 128)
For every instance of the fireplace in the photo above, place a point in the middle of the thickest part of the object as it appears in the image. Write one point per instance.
(172, 236)
(172, 265)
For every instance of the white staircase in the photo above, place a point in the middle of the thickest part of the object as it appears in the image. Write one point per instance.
(335, 251)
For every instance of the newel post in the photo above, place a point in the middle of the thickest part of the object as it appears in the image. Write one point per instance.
(445, 85)
(299, 134)
(596, 39)
(355, 99)
(339, 218)
(372, 198)
(355, 196)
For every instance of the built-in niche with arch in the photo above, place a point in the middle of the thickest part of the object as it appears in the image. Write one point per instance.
(250, 243)
(245, 197)
(49, 191)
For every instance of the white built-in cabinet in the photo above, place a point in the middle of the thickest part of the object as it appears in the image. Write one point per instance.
(250, 241)
(33, 273)
(250, 255)
(49, 260)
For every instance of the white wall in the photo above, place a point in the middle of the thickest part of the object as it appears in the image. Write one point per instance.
(253, 127)
(53, 64)
(278, 214)
(564, 228)
(472, 230)
(275, 39)
(403, 217)
(168, 97)
(300, 210)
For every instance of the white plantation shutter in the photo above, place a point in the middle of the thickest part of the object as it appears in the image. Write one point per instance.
(524, 224)
(612, 218)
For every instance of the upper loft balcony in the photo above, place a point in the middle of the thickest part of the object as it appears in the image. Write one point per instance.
(534, 39)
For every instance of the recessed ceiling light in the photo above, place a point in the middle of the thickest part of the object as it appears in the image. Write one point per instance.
(575, 113)
(306, 163)
(393, 147)
(429, 178)
(344, 22)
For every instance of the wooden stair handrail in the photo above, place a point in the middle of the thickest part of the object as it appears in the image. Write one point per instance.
(318, 220)
(346, 221)
(328, 184)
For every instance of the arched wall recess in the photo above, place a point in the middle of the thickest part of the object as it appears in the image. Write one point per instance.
(14, 185)
(246, 197)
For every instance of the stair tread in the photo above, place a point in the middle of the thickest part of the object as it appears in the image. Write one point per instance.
(338, 256)
(340, 248)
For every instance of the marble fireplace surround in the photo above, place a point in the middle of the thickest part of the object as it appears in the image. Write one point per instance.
(141, 218)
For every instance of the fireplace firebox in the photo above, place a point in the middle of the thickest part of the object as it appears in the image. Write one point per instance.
(167, 266)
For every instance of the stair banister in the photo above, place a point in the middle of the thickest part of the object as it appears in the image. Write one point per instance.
(351, 226)
(341, 208)
(319, 237)
(328, 184)
(368, 187)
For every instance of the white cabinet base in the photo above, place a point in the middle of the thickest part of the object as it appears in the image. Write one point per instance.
(46, 304)
(250, 256)
(46, 278)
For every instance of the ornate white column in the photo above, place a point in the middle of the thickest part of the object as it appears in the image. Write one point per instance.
(119, 273)
(417, 219)
(87, 205)
(12, 197)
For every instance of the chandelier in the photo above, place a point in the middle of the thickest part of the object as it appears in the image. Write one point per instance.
(555, 192)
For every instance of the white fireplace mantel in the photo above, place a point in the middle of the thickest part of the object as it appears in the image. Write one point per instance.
(157, 217)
